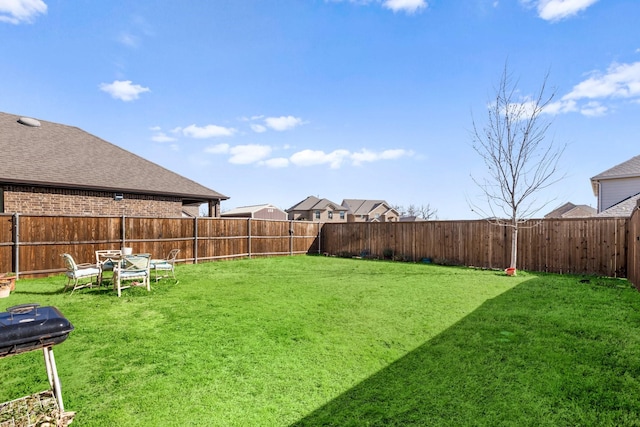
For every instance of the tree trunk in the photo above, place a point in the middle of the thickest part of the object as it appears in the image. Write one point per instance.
(514, 244)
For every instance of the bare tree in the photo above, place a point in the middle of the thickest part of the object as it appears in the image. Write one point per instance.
(427, 212)
(422, 211)
(520, 161)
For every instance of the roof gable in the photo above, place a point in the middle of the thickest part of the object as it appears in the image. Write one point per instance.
(57, 155)
(364, 207)
(627, 169)
(569, 210)
(314, 203)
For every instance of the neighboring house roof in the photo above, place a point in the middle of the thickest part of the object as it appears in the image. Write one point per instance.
(623, 208)
(628, 169)
(314, 203)
(569, 210)
(249, 210)
(364, 207)
(42, 153)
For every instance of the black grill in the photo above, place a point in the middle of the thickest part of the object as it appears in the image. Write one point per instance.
(31, 327)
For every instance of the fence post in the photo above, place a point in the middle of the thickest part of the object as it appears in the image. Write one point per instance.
(319, 239)
(290, 237)
(195, 240)
(249, 237)
(123, 232)
(16, 245)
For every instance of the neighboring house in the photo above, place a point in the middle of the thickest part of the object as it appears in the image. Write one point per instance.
(569, 210)
(624, 208)
(317, 210)
(51, 168)
(618, 188)
(370, 211)
(258, 211)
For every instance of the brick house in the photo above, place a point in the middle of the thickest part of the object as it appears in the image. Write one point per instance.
(370, 211)
(317, 210)
(51, 168)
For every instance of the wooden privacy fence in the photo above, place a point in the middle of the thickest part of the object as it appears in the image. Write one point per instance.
(583, 246)
(633, 267)
(31, 245)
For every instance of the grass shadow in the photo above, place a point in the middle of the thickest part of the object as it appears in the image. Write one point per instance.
(548, 352)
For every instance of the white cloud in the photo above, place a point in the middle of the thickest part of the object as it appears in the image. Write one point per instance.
(251, 153)
(621, 81)
(129, 39)
(365, 155)
(408, 6)
(21, 11)
(277, 162)
(317, 157)
(258, 128)
(282, 123)
(162, 137)
(259, 154)
(593, 109)
(560, 107)
(123, 90)
(217, 149)
(209, 131)
(556, 10)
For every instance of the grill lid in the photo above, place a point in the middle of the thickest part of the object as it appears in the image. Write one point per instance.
(29, 327)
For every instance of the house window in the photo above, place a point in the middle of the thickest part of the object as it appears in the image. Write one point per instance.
(342, 215)
(317, 214)
(330, 215)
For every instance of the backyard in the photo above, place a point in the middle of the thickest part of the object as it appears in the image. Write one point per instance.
(312, 340)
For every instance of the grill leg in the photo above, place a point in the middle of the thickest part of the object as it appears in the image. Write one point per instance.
(52, 374)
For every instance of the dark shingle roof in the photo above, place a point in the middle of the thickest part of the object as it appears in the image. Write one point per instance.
(623, 208)
(626, 169)
(57, 155)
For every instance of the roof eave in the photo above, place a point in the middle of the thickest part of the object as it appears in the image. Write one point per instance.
(40, 184)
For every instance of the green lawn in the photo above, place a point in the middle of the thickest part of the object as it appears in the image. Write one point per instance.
(313, 341)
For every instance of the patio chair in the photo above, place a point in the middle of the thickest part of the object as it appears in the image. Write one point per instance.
(79, 273)
(165, 265)
(132, 268)
(105, 260)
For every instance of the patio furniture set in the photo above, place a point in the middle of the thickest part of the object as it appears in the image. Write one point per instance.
(127, 270)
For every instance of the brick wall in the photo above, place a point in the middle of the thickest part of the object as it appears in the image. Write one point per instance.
(36, 201)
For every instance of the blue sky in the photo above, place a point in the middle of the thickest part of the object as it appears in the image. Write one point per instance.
(270, 101)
